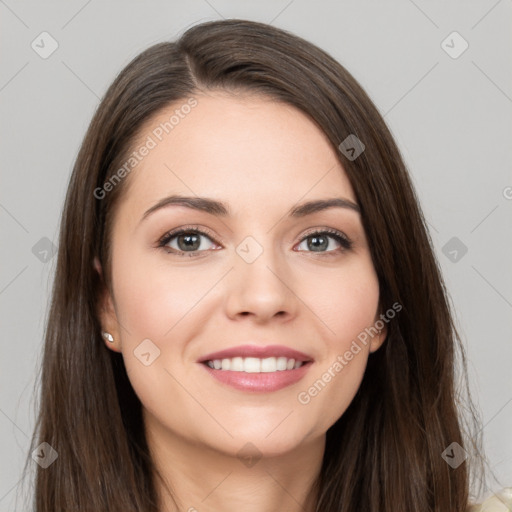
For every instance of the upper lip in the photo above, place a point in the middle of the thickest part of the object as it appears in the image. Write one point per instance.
(257, 351)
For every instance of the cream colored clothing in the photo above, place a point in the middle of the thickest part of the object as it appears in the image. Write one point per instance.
(499, 502)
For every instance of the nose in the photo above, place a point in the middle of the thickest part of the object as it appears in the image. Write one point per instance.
(261, 289)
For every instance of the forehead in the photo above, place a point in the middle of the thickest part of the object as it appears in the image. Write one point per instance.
(244, 149)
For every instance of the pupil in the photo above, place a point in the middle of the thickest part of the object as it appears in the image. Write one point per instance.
(191, 241)
(314, 242)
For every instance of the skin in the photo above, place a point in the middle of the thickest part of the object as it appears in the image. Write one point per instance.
(261, 158)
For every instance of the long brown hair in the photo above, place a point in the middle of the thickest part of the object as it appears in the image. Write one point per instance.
(384, 453)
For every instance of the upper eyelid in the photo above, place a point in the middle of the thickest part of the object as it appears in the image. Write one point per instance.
(178, 231)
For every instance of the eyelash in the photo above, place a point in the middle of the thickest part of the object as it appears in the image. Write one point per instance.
(344, 241)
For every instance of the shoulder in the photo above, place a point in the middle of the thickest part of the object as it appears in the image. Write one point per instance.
(499, 502)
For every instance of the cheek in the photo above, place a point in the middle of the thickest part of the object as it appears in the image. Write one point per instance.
(345, 301)
(163, 302)
(153, 299)
(347, 305)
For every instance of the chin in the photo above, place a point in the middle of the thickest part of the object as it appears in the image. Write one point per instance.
(255, 444)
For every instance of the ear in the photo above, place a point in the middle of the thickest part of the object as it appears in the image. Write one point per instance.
(106, 312)
(379, 339)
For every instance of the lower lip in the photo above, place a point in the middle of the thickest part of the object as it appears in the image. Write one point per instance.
(259, 382)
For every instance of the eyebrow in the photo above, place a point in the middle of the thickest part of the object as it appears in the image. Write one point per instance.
(220, 209)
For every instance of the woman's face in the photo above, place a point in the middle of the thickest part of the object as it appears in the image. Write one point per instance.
(258, 277)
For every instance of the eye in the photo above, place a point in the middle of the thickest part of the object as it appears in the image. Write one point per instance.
(317, 241)
(188, 240)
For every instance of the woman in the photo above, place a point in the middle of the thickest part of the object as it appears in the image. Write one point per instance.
(302, 355)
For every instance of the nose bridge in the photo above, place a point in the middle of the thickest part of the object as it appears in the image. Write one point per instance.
(258, 259)
(259, 279)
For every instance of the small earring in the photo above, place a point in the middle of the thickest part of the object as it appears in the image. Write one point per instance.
(108, 336)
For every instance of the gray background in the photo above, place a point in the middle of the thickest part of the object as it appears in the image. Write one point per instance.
(451, 118)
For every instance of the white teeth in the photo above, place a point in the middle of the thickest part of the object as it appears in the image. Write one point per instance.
(254, 364)
(281, 363)
(237, 364)
(269, 364)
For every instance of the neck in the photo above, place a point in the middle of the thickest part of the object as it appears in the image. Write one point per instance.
(199, 478)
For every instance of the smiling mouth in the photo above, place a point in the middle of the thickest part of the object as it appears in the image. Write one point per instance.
(255, 364)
